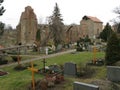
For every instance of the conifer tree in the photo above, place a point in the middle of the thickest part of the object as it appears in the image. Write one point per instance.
(105, 34)
(57, 27)
(112, 50)
(1, 28)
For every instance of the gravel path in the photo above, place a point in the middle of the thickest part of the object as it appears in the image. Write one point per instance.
(39, 57)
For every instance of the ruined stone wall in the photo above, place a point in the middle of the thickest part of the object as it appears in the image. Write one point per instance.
(72, 35)
(27, 26)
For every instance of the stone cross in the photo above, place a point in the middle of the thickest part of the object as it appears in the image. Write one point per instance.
(94, 54)
(44, 65)
(32, 69)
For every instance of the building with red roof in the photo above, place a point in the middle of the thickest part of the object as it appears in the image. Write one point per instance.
(91, 26)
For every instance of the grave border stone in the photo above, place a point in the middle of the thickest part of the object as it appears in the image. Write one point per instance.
(84, 86)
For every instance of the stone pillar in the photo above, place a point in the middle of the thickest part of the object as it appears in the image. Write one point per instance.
(27, 27)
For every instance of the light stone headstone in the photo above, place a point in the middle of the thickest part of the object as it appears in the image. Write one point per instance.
(46, 50)
(113, 73)
(70, 69)
(84, 86)
(59, 47)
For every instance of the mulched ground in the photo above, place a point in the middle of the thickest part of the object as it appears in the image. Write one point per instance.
(60, 86)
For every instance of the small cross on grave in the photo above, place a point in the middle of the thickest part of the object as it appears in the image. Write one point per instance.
(32, 69)
(44, 65)
(18, 57)
(94, 54)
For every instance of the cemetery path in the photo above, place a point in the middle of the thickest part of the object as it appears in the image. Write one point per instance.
(39, 57)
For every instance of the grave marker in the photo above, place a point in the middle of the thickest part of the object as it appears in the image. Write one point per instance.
(94, 54)
(84, 86)
(46, 50)
(70, 69)
(32, 69)
(113, 73)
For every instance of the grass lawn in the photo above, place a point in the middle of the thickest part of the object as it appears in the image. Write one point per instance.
(19, 80)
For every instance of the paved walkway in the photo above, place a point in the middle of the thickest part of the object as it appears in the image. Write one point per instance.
(40, 57)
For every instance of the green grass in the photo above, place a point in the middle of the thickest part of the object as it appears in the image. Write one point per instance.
(19, 80)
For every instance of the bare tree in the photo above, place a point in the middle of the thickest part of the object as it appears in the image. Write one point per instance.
(2, 10)
(117, 20)
(117, 10)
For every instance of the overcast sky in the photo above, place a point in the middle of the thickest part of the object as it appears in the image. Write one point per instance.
(72, 10)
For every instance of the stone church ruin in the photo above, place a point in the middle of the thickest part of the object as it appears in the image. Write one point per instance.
(27, 27)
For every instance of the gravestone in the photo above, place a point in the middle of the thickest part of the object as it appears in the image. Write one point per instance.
(59, 47)
(70, 69)
(113, 73)
(84, 86)
(46, 50)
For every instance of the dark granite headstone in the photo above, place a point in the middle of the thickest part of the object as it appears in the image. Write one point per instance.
(113, 73)
(70, 69)
(84, 86)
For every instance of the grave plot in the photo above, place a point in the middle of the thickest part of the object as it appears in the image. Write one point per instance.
(80, 71)
(96, 61)
(85, 71)
(105, 84)
(51, 69)
(48, 84)
(52, 77)
(50, 81)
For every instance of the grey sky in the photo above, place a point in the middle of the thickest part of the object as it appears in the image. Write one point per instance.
(72, 10)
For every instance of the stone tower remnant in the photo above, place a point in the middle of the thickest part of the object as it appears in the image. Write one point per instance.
(27, 27)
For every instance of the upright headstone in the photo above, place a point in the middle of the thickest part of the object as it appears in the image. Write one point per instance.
(70, 69)
(27, 27)
(113, 73)
(46, 50)
(84, 86)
